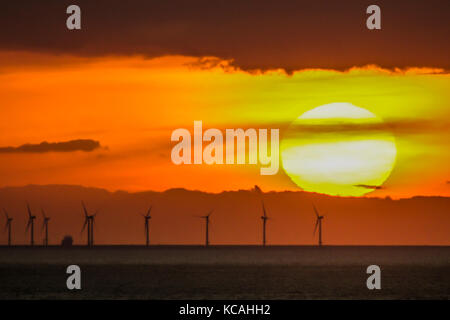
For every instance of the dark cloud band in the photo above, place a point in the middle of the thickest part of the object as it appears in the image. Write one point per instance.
(259, 34)
(67, 146)
(369, 187)
(395, 126)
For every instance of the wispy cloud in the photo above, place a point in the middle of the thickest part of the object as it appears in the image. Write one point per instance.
(397, 126)
(369, 186)
(65, 146)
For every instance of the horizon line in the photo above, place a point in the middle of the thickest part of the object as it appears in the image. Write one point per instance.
(218, 193)
(218, 245)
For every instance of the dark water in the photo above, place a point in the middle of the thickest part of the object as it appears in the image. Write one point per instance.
(226, 272)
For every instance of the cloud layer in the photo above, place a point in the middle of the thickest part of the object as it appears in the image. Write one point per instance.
(254, 34)
(396, 126)
(66, 146)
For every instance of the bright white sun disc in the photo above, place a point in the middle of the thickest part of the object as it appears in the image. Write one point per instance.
(338, 149)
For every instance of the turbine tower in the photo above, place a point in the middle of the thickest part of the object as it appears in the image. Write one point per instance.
(207, 227)
(89, 222)
(264, 219)
(8, 226)
(147, 218)
(318, 224)
(45, 226)
(92, 228)
(30, 224)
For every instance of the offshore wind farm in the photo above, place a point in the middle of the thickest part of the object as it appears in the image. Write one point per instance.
(295, 218)
(89, 219)
(223, 252)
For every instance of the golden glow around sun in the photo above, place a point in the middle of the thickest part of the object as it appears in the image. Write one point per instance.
(338, 149)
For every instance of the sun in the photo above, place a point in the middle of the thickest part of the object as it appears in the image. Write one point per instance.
(338, 149)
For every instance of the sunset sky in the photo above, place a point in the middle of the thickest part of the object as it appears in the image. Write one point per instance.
(130, 105)
(360, 113)
(124, 87)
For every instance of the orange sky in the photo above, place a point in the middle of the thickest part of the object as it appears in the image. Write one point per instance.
(131, 105)
(96, 107)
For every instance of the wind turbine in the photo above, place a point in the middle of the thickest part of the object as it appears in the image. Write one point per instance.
(45, 226)
(264, 218)
(89, 222)
(8, 226)
(207, 227)
(147, 217)
(30, 224)
(318, 224)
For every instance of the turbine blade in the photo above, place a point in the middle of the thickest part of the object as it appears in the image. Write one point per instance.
(315, 228)
(210, 213)
(315, 210)
(28, 225)
(148, 212)
(6, 213)
(84, 225)
(29, 210)
(84, 209)
(264, 209)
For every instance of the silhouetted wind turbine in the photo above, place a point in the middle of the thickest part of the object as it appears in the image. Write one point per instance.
(89, 222)
(318, 224)
(147, 217)
(207, 227)
(8, 226)
(264, 218)
(30, 224)
(45, 226)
